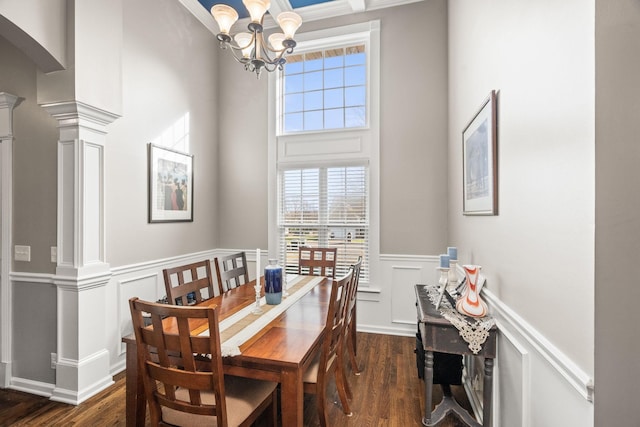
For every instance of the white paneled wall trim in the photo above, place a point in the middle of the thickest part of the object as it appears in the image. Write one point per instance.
(164, 262)
(528, 365)
(563, 365)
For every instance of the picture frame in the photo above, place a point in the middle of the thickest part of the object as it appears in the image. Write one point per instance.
(480, 161)
(170, 185)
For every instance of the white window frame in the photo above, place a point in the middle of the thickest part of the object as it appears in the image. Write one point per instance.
(334, 147)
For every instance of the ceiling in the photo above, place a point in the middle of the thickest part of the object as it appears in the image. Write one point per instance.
(309, 10)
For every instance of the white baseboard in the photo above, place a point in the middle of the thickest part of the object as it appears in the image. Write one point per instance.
(34, 387)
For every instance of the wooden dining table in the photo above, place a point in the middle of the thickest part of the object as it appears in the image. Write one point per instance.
(281, 351)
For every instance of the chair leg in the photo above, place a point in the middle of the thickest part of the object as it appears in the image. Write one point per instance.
(341, 370)
(352, 355)
(342, 392)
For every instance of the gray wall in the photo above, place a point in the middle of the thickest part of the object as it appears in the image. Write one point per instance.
(168, 70)
(34, 162)
(413, 135)
(617, 246)
(537, 254)
(34, 218)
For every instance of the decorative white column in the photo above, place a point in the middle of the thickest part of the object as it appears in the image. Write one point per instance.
(7, 103)
(82, 273)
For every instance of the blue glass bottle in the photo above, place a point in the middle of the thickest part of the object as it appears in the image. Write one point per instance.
(273, 282)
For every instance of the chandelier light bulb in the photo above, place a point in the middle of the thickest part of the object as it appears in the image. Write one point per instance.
(275, 40)
(289, 22)
(244, 42)
(257, 9)
(225, 16)
(252, 48)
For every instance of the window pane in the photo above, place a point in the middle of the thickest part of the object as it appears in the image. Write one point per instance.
(333, 98)
(325, 207)
(313, 120)
(341, 73)
(355, 55)
(313, 100)
(354, 96)
(354, 117)
(293, 103)
(293, 122)
(333, 78)
(334, 119)
(293, 67)
(355, 75)
(293, 83)
(313, 81)
(313, 61)
(334, 58)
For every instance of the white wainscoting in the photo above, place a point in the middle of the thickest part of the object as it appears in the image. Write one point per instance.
(535, 385)
(144, 281)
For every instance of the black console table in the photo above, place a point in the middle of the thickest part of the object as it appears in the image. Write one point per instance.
(439, 335)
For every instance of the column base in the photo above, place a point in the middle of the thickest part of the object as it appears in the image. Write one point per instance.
(77, 381)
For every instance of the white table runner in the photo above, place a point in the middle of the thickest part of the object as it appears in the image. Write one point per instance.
(297, 287)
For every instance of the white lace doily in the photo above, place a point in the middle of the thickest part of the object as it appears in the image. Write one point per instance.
(474, 332)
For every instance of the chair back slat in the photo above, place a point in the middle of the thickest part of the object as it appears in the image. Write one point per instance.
(171, 361)
(231, 271)
(334, 328)
(353, 293)
(317, 261)
(187, 281)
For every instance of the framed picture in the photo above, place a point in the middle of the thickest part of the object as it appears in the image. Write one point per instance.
(480, 161)
(170, 185)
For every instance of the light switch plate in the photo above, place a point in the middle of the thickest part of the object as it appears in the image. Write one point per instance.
(22, 253)
(54, 254)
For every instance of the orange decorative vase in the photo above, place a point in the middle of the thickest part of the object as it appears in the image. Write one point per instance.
(470, 303)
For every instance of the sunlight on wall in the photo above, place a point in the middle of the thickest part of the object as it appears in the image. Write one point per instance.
(176, 136)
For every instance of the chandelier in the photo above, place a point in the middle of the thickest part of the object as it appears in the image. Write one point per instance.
(250, 48)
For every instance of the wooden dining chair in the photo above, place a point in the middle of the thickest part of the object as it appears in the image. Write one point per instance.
(183, 388)
(317, 376)
(349, 339)
(317, 261)
(184, 284)
(232, 271)
(350, 321)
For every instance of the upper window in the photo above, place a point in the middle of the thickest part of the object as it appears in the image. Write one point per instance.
(325, 89)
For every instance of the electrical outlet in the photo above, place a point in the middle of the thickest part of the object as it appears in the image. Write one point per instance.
(54, 360)
(54, 254)
(22, 253)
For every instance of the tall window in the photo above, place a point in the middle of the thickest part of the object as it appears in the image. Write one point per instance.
(325, 89)
(324, 148)
(325, 207)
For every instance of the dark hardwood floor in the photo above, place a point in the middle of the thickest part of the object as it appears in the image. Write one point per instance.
(388, 393)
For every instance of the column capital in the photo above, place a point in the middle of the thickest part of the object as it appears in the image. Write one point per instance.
(7, 100)
(7, 103)
(76, 115)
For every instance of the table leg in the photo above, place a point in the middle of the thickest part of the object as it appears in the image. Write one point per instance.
(487, 392)
(428, 387)
(136, 405)
(292, 398)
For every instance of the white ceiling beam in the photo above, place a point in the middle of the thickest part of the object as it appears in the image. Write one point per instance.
(278, 6)
(357, 5)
